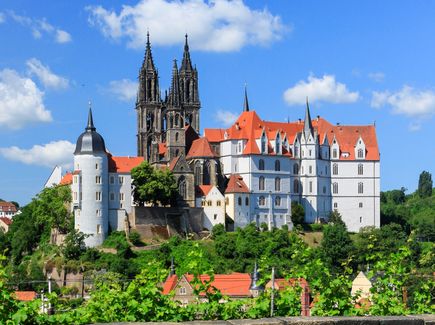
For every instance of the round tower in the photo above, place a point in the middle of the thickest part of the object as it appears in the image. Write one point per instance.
(91, 167)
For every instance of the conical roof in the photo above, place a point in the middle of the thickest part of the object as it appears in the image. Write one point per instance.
(90, 142)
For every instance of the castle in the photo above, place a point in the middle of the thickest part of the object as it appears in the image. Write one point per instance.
(250, 172)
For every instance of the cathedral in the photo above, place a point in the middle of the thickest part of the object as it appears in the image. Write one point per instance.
(251, 172)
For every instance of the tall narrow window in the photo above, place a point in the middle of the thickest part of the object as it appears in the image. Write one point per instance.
(121, 180)
(261, 201)
(296, 186)
(360, 188)
(261, 183)
(310, 170)
(98, 196)
(182, 187)
(263, 144)
(334, 153)
(335, 169)
(277, 184)
(198, 174)
(246, 201)
(112, 180)
(112, 196)
(97, 179)
(278, 144)
(295, 169)
(360, 169)
(261, 164)
(335, 188)
(121, 196)
(311, 186)
(277, 165)
(360, 153)
(239, 200)
(278, 201)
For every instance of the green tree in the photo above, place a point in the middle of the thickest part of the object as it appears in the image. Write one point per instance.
(153, 185)
(74, 245)
(298, 213)
(425, 184)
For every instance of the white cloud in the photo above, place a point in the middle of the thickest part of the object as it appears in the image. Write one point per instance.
(407, 101)
(225, 117)
(124, 89)
(44, 74)
(325, 89)
(39, 27)
(49, 155)
(215, 25)
(21, 101)
(377, 76)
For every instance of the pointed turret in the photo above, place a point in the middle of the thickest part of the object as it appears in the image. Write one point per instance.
(246, 103)
(308, 126)
(90, 126)
(148, 63)
(174, 92)
(186, 64)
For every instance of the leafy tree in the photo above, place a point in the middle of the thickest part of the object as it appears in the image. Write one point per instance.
(153, 185)
(298, 213)
(74, 245)
(425, 184)
(134, 238)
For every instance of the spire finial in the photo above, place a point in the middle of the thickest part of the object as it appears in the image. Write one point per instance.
(90, 126)
(246, 103)
(186, 45)
(148, 37)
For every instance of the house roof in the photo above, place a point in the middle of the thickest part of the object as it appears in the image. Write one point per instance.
(173, 163)
(203, 190)
(236, 185)
(214, 135)
(6, 221)
(234, 284)
(66, 179)
(25, 295)
(123, 164)
(7, 206)
(200, 148)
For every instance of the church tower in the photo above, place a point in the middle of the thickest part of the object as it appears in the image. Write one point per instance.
(189, 90)
(148, 106)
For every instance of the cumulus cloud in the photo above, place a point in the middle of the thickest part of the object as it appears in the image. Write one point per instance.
(214, 25)
(124, 89)
(325, 89)
(377, 76)
(407, 101)
(49, 155)
(44, 74)
(41, 27)
(225, 117)
(21, 101)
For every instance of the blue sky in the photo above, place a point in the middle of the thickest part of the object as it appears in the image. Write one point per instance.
(358, 62)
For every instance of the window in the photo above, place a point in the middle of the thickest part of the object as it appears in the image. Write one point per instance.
(324, 189)
(215, 216)
(296, 186)
(197, 174)
(335, 205)
(98, 229)
(261, 164)
(277, 184)
(360, 205)
(97, 179)
(302, 170)
(311, 186)
(360, 219)
(112, 196)
(218, 203)
(360, 169)
(96, 166)
(176, 136)
(326, 170)
(227, 201)
(296, 152)
(209, 203)
(121, 196)
(182, 189)
(360, 188)
(247, 201)
(98, 213)
(240, 147)
(303, 153)
(334, 153)
(309, 153)
(360, 153)
(295, 169)
(98, 196)
(278, 201)
(121, 180)
(239, 200)
(277, 165)
(277, 144)
(261, 201)
(263, 143)
(75, 180)
(335, 169)
(112, 180)
(202, 203)
(310, 170)
(182, 291)
(335, 188)
(261, 183)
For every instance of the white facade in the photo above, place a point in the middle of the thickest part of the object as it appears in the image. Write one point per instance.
(213, 204)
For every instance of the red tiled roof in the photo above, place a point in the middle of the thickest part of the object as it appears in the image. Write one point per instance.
(173, 163)
(170, 284)
(66, 179)
(7, 207)
(236, 185)
(162, 148)
(203, 190)
(214, 135)
(123, 164)
(7, 221)
(200, 148)
(25, 295)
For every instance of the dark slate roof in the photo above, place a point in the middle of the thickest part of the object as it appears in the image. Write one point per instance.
(90, 141)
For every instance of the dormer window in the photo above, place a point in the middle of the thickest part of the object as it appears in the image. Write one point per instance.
(263, 143)
(334, 153)
(360, 153)
(278, 144)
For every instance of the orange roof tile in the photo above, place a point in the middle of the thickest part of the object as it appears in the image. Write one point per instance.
(162, 148)
(203, 190)
(7, 221)
(234, 284)
(25, 295)
(236, 185)
(173, 163)
(214, 135)
(200, 148)
(66, 179)
(170, 284)
(123, 164)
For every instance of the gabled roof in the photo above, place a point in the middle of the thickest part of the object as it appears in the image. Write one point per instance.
(66, 179)
(236, 185)
(203, 190)
(24, 295)
(214, 135)
(123, 164)
(7, 206)
(201, 148)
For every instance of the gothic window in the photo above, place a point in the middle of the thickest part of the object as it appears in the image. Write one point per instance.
(277, 184)
(335, 188)
(335, 169)
(334, 153)
(207, 173)
(324, 189)
(277, 165)
(278, 144)
(311, 186)
(360, 153)
(360, 169)
(182, 187)
(278, 201)
(261, 183)
(360, 188)
(261, 201)
(295, 169)
(149, 121)
(246, 201)
(326, 170)
(296, 151)
(171, 121)
(261, 164)
(177, 120)
(239, 200)
(310, 170)
(198, 174)
(176, 136)
(263, 143)
(296, 186)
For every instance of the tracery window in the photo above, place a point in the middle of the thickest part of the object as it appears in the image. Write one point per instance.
(261, 183)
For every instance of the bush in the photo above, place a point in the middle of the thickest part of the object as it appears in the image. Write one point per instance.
(134, 238)
(115, 239)
(316, 227)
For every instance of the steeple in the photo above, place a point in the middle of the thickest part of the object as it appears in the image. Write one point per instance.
(174, 92)
(186, 64)
(148, 63)
(308, 126)
(246, 103)
(90, 126)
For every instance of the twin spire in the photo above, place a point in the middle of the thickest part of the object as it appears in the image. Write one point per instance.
(308, 126)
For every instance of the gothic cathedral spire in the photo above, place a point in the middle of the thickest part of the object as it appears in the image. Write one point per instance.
(308, 126)
(174, 100)
(246, 103)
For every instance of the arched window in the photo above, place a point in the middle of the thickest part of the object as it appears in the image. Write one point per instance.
(360, 188)
(296, 186)
(360, 153)
(247, 201)
(182, 187)
(335, 169)
(207, 173)
(198, 174)
(176, 136)
(335, 188)
(277, 165)
(239, 200)
(261, 201)
(171, 122)
(334, 153)
(277, 184)
(261, 183)
(261, 164)
(360, 169)
(278, 201)
(177, 120)
(296, 151)
(278, 144)
(263, 144)
(295, 169)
